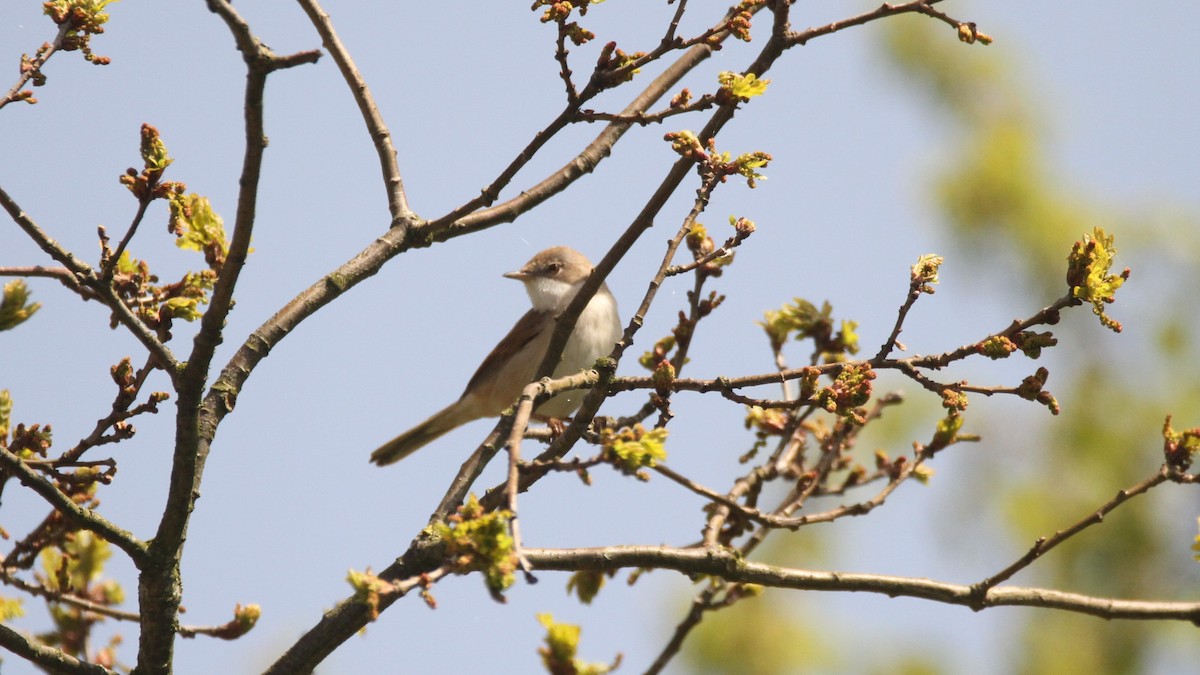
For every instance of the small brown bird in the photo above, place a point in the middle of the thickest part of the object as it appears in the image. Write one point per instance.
(552, 278)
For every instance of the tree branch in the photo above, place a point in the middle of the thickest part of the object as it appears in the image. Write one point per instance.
(730, 566)
(466, 219)
(62, 503)
(908, 366)
(53, 660)
(351, 615)
(380, 135)
(885, 10)
(60, 274)
(84, 274)
(35, 65)
(1044, 544)
(159, 585)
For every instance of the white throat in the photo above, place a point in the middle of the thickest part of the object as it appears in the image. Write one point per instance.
(550, 295)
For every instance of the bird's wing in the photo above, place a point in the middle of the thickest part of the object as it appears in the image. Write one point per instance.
(526, 330)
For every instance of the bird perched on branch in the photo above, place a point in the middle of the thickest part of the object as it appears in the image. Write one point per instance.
(552, 278)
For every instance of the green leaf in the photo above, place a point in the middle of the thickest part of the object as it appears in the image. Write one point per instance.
(5, 415)
(10, 608)
(925, 272)
(183, 308)
(1196, 544)
(742, 86)
(562, 643)
(586, 584)
(198, 226)
(15, 307)
(747, 164)
(1088, 274)
(635, 448)
(479, 541)
(85, 554)
(154, 152)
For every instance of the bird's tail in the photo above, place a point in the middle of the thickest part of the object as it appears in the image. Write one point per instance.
(419, 436)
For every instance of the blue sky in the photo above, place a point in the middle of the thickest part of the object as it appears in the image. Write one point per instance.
(290, 502)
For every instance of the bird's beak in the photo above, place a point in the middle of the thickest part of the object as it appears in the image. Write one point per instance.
(519, 275)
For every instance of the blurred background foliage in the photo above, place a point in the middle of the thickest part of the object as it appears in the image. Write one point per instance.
(1005, 205)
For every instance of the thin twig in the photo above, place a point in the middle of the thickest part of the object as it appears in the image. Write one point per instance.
(59, 596)
(59, 274)
(914, 293)
(473, 216)
(645, 119)
(119, 413)
(107, 267)
(717, 34)
(521, 420)
(719, 252)
(1044, 544)
(680, 7)
(885, 10)
(467, 219)
(908, 365)
(469, 472)
(28, 71)
(85, 275)
(564, 66)
(700, 604)
(381, 136)
(84, 517)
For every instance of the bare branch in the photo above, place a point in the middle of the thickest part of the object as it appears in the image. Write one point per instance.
(85, 275)
(729, 565)
(60, 274)
(645, 119)
(468, 219)
(59, 596)
(564, 66)
(885, 10)
(53, 660)
(84, 517)
(1044, 544)
(402, 216)
(700, 604)
(914, 293)
(107, 267)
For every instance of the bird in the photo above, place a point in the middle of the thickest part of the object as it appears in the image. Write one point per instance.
(552, 278)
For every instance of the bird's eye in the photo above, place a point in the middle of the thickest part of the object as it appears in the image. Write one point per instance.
(553, 268)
